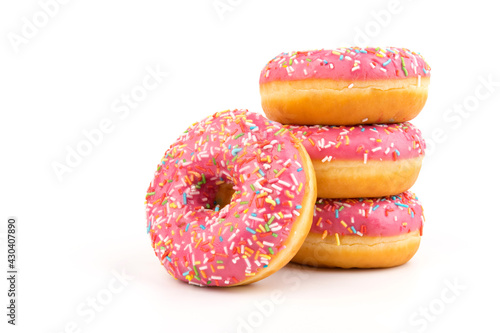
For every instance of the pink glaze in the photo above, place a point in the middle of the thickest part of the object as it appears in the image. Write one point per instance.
(361, 142)
(194, 240)
(351, 63)
(388, 216)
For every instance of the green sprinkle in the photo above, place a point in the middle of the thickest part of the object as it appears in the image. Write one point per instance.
(243, 202)
(150, 194)
(275, 235)
(252, 187)
(275, 171)
(270, 220)
(219, 262)
(164, 201)
(237, 216)
(213, 160)
(278, 132)
(203, 178)
(403, 66)
(290, 62)
(237, 136)
(340, 209)
(170, 180)
(195, 270)
(267, 227)
(279, 147)
(307, 59)
(208, 205)
(231, 229)
(271, 250)
(208, 282)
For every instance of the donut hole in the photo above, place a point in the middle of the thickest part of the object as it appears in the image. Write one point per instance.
(224, 194)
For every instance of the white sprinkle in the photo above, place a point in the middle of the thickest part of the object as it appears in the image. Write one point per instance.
(376, 149)
(365, 158)
(364, 120)
(351, 85)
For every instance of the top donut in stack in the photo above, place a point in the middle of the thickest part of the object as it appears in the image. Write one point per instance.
(365, 96)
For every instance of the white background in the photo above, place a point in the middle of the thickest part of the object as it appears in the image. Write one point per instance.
(75, 235)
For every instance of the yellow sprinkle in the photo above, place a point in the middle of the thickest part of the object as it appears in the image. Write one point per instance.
(300, 187)
(337, 238)
(344, 224)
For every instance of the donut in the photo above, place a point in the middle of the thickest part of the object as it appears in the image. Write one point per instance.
(363, 233)
(269, 180)
(363, 160)
(345, 86)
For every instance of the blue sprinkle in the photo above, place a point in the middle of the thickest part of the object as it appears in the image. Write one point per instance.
(257, 192)
(363, 129)
(397, 152)
(251, 230)
(400, 204)
(202, 226)
(253, 214)
(412, 216)
(325, 62)
(217, 208)
(176, 161)
(168, 258)
(336, 213)
(298, 207)
(375, 208)
(386, 63)
(424, 70)
(262, 173)
(149, 227)
(265, 266)
(341, 57)
(187, 227)
(229, 147)
(220, 238)
(278, 201)
(352, 228)
(236, 151)
(184, 198)
(299, 169)
(363, 51)
(186, 273)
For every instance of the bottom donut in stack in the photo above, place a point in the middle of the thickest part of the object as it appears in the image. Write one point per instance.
(363, 232)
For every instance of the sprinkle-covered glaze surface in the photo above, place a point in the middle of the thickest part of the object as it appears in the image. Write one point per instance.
(195, 239)
(380, 142)
(351, 63)
(388, 216)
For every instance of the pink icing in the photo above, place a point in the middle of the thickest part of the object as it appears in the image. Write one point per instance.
(387, 216)
(361, 142)
(195, 240)
(351, 63)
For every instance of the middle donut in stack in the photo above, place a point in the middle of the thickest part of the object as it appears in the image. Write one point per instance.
(349, 107)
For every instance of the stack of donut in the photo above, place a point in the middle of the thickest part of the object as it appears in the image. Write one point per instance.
(324, 181)
(350, 108)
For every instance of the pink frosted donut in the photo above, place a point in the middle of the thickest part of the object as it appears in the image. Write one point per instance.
(264, 173)
(364, 233)
(345, 86)
(363, 160)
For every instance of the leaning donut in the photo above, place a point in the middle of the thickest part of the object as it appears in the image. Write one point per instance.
(363, 160)
(363, 233)
(271, 181)
(345, 86)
